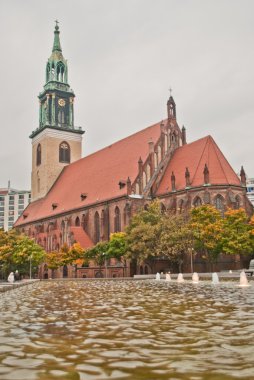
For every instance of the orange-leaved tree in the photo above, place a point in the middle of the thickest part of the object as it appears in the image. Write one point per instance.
(206, 225)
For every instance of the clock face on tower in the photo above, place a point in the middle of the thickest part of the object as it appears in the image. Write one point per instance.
(61, 102)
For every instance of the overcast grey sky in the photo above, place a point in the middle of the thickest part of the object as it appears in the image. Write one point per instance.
(123, 56)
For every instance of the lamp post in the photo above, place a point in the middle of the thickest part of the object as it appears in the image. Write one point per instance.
(191, 257)
(106, 268)
(30, 266)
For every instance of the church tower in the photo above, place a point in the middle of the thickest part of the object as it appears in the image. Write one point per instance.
(56, 142)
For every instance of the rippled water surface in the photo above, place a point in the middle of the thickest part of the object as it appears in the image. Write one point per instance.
(92, 330)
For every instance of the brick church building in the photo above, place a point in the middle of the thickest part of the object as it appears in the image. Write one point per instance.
(83, 200)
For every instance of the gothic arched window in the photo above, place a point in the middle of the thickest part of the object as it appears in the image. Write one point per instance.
(148, 172)
(64, 152)
(163, 208)
(77, 222)
(61, 116)
(197, 202)
(52, 72)
(159, 154)
(117, 220)
(60, 72)
(96, 227)
(219, 203)
(48, 72)
(181, 204)
(144, 179)
(38, 155)
(237, 202)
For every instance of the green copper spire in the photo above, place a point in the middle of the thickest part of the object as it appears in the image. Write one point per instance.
(57, 45)
(57, 98)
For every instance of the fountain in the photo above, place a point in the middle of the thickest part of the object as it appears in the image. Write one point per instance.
(195, 278)
(215, 278)
(243, 279)
(158, 276)
(168, 277)
(180, 277)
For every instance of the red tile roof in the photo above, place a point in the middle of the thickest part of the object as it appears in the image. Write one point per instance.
(81, 237)
(194, 156)
(97, 175)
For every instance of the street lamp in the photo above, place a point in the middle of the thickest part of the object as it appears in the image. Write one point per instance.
(30, 267)
(191, 257)
(106, 268)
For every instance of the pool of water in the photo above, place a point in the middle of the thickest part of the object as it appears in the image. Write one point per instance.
(94, 330)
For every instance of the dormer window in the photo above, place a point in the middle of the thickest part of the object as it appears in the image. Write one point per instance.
(83, 196)
(122, 184)
(54, 206)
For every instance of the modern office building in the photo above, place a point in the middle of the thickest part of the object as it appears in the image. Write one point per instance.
(12, 204)
(250, 189)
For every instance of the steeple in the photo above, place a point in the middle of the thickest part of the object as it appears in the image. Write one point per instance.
(171, 106)
(57, 98)
(56, 142)
(57, 45)
(56, 68)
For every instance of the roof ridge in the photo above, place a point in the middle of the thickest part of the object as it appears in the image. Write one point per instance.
(220, 163)
(116, 142)
(201, 156)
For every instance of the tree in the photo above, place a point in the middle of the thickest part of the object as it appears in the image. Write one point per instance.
(19, 252)
(53, 260)
(117, 245)
(143, 233)
(76, 254)
(98, 253)
(236, 234)
(176, 238)
(206, 225)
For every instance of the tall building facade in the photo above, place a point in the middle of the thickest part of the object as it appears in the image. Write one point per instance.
(12, 204)
(56, 142)
(86, 199)
(250, 189)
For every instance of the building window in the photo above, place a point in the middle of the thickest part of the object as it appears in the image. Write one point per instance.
(61, 117)
(64, 152)
(219, 203)
(181, 206)
(237, 202)
(117, 220)
(197, 202)
(163, 208)
(96, 227)
(77, 222)
(38, 155)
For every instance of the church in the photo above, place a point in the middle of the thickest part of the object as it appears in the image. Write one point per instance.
(84, 200)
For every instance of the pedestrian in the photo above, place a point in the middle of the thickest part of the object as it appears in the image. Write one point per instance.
(16, 275)
(11, 277)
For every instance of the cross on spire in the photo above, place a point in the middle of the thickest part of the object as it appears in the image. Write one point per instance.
(170, 91)
(57, 22)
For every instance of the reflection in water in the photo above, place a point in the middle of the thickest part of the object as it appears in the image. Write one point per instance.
(92, 330)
